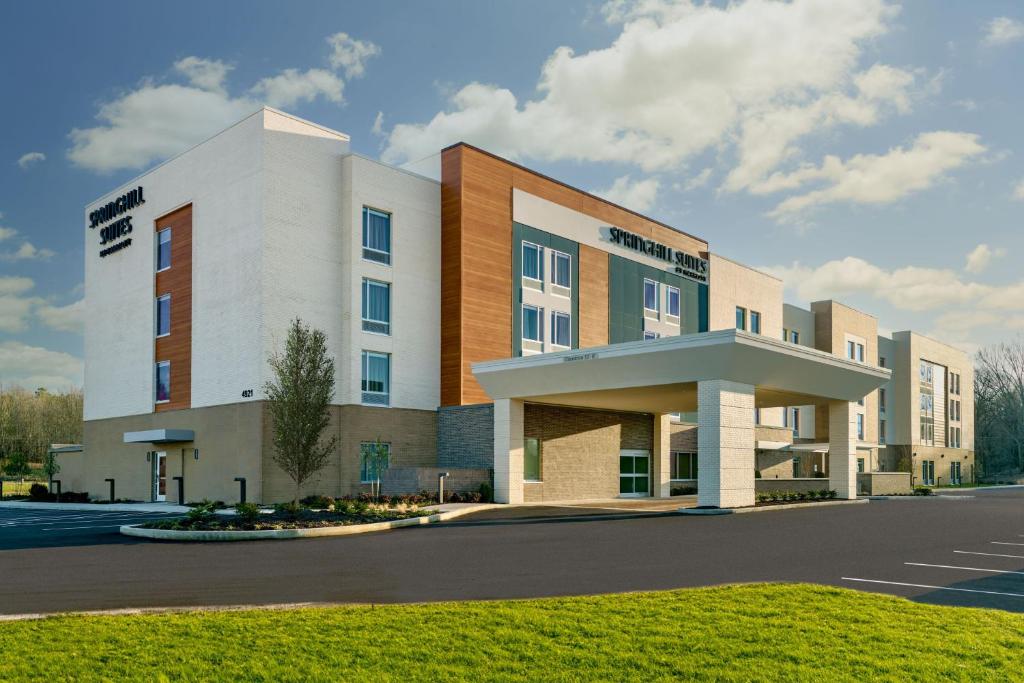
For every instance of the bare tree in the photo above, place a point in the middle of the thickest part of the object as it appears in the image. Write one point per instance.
(999, 407)
(298, 399)
(31, 421)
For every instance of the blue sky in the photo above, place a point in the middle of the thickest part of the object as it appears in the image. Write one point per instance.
(863, 150)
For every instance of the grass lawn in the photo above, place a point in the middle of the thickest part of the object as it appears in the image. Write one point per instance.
(741, 633)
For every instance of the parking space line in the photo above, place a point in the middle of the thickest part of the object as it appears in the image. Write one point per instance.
(968, 569)
(971, 552)
(936, 588)
(1005, 543)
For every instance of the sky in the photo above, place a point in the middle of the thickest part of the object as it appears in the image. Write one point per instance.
(861, 150)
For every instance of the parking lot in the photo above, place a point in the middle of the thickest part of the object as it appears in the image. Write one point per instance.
(962, 549)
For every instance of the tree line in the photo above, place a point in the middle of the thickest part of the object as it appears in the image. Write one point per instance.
(999, 409)
(30, 421)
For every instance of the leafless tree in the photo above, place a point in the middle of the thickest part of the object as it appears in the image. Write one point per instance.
(999, 408)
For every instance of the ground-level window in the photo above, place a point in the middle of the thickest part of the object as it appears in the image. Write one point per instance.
(797, 467)
(561, 330)
(860, 464)
(163, 381)
(684, 465)
(531, 460)
(163, 315)
(533, 323)
(368, 461)
(927, 472)
(376, 378)
(955, 474)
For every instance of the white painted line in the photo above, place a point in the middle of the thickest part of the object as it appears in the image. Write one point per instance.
(1006, 543)
(966, 569)
(936, 588)
(90, 526)
(971, 552)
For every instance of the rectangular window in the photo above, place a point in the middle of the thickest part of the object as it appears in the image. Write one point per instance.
(757, 416)
(163, 315)
(533, 323)
(860, 353)
(684, 466)
(561, 269)
(376, 307)
(785, 334)
(648, 335)
(755, 322)
(561, 329)
(860, 426)
(881, 361)
(795, 421)
(376, 236)
(369, 461)
(533, 261)
(794, 337)
(651, 297)
(860, 464)
(163, 249)
(163, 381)
(741, 318)
(376, 378)
(881, 400)
(798, 469)
(673, 300)
(531, 460)
(881, 431)
(851, 350)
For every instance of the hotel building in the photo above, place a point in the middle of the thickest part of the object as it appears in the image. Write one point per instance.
(494, 323)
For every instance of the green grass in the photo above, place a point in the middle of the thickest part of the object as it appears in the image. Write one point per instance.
(734, 633)
(19, 487)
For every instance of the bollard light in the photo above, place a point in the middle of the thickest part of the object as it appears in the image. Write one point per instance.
(440, 487)
(111, 489)
(181, 489)
(241, 486)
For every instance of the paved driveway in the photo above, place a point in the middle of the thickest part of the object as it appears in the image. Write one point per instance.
(49, 528)
(951, 550)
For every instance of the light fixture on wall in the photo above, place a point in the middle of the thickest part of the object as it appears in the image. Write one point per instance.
(195, 453)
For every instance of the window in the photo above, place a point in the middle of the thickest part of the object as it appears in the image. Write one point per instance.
(928, 472)
(368, 463)
(531, 460)
(163, 381)
(881, 431)
(648, 335)
(860, 353)
(163, 249)
(860, 464)
(881, 400)
(860, 426)
(757, 416)
(755, 322)
(795, 421)
(533, 323)
(673, 300)
(376, 383)
(881, 361)
(797, 467)
(376, 236)
(785, 334)
(533, 261)
(851, 350)
(561, 329)
(683, 465)
(561, 269)
(794, 337)
(651, 297)
(741, 318)
(163, 315)
(376, 307)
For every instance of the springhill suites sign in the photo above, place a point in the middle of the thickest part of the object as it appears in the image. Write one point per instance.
(111, 229)
(689, 266)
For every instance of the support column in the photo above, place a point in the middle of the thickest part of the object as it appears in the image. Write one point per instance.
(661, 467)
(725, 444)
(842, 449)
(508, 451)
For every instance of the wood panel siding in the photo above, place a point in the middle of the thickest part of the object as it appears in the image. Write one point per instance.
(593, 297)
(177, 281)
(476, 270)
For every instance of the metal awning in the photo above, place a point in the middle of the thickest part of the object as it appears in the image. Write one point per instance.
(822, 447)
(160, 436)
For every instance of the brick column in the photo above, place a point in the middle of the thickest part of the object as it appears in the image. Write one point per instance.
(661, 464)
(842, 448)
(725, 444)
(508, 451)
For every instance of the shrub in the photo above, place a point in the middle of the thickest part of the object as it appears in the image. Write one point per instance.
(486, 492)
(832, 493)
(684, 490)
(203, 512)
(247, 513)
(288, 510)
(757, 474)
(922, 491)
(39, 492)
(819, 475)
(318, 502)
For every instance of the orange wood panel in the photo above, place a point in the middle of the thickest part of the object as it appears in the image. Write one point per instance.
(451, 276)
(177, 281)
(593, 297)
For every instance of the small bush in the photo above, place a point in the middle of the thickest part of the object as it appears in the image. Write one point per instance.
(247, 513)
(203, 512)
(39, 492)
(288, 510)
(922, 491)
(819, 475)
(684, 490)
(486, 492)
(318, 502)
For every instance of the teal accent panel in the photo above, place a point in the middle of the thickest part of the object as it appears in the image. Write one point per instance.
(625, 299)
(520, 233)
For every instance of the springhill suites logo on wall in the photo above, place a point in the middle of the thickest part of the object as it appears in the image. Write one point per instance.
(689, 266)
(122, 226)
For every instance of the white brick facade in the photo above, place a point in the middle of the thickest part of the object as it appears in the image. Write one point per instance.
(725, 444)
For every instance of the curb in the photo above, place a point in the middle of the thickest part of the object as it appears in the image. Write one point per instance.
(767, 508)
(285, 534)
(933, 496)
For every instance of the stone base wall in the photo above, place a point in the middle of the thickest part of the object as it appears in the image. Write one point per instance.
(883, 483)
(465, 436)
(790, 485)
(580, 450)
(398, 480)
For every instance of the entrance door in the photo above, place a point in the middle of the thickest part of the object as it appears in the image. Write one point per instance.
(954, 474)
(634, 473)
(160, 476)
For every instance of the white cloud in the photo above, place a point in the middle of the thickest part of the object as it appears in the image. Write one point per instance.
(206, 74)
(909, 288)
(157, 120)
(33, 366)
(877, 178)
(350, 54)
(15, 309)
(30, 158)
(67, 318)
(15, 285)
(1003, 31)
(378, 124)
(7, 233)
(638, 195)
(682, 78)
(981, 256)
(698, 181)
(292, 86)
(27, 252)
(1018, 190)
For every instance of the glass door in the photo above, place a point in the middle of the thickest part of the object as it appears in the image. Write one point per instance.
(634, 473)
(159, 476)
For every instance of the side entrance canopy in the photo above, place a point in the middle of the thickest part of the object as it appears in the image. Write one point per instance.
(723, 375)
